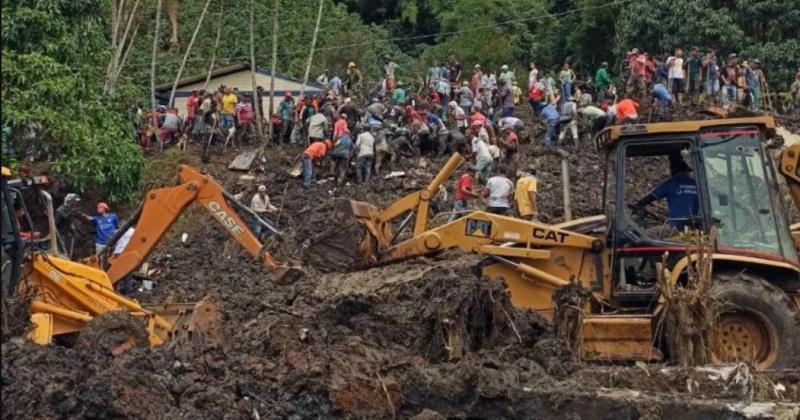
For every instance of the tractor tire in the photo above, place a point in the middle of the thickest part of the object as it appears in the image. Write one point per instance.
(113, 333)
(756, 323)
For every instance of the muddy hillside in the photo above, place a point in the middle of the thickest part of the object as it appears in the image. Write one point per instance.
(422, 339)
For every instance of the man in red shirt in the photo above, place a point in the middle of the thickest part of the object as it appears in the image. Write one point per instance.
(636, 85)
(244, 114)
(509, 145)
(464, 194)
(313, 153)
(340, 127)
(191, 109)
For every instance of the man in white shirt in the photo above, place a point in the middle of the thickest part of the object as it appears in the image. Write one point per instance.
(261, 205)
(365, 155)
(483, 157)
(676, 75)
(498, 190)
(533, 77)
(317, 126)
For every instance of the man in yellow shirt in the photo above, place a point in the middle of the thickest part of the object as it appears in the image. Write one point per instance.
(229, 101)
(517, 93)
(525, 194)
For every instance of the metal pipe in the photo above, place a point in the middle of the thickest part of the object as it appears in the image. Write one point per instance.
(534, 272)
(455, 160)
(402, 227)
(39, 306)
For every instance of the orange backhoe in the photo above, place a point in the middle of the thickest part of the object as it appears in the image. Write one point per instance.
(160, 209)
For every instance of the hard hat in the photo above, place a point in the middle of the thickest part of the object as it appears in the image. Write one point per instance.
(262, 188)
(504, 67)
(351, 64)
(477, 66)
(102, 205)
(71, 197)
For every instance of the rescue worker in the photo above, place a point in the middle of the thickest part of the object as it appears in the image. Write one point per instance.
(464, 195)
(261, 205)
(525, 194)
(313, 153)
(105, 224)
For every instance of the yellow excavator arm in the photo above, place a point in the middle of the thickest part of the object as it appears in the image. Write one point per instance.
(162, 207)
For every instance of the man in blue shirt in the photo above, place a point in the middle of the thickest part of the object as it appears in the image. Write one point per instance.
(550, 115)
(680, 190)
(105, 224)
(661, 95)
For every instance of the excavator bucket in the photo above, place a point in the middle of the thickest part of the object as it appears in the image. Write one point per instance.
(191, 323)
(347, 243)
(360, 232)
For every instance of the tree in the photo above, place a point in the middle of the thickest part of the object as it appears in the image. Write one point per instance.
(55, 57)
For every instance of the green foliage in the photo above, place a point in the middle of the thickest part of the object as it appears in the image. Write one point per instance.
(343, 37)
(54, 56)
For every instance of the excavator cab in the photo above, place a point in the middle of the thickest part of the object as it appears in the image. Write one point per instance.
(716, 176)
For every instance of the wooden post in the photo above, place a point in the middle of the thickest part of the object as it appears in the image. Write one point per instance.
(153, 59)
(186, 54)
(216, 45)
(275, 9)
(565, 185)
(311, 52)
(118, 45)
(256, 105)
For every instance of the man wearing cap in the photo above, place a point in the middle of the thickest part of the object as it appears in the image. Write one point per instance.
(313, 153)
(261, 205)
(602, 82)
(525, 194)
(352, 78)
(286, 112)
(105, 224)
(507, 75)
(464, 196)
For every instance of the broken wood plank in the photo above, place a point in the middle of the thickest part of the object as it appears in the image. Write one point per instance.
(243, 161)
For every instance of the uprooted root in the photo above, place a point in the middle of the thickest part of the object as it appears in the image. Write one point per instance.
(471, 316)
(16, 316)
(689, 312)
(569, 301)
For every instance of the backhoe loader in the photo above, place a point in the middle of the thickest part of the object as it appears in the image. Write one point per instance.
(67, 297)
(618, 256)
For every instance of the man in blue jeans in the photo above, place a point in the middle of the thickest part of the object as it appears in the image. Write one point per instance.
(661, 95)
(550, 115)
(313, 152)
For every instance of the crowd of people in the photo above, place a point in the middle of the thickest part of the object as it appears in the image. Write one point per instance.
(473, 112)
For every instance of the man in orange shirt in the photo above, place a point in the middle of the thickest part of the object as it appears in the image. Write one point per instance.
(627, 111)
(313, 152)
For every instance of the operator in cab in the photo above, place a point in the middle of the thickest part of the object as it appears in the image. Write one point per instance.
(680, 190)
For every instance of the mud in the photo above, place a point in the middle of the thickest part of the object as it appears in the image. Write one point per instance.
(423, 339)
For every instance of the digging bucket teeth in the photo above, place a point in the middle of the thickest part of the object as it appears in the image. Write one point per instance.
(190, 323)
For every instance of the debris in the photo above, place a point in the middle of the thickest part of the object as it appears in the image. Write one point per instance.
(243, 161)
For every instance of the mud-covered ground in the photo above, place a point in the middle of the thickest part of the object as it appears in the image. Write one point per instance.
(422, 339)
